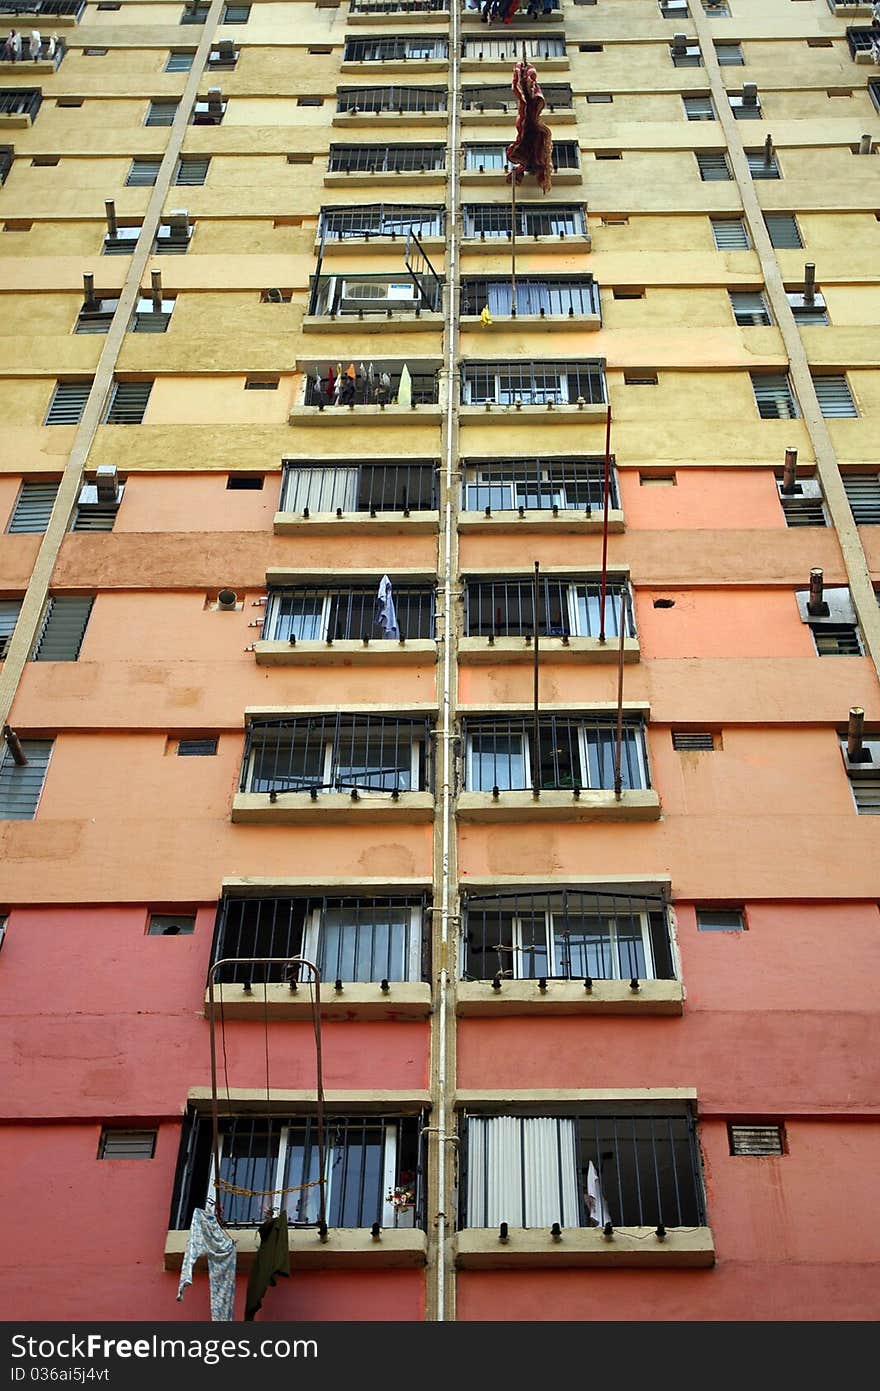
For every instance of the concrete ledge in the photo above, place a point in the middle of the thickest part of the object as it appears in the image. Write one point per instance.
(577, 244)
(346, 1248)
(491, 413)
(251, 1101)
(330, 808)
(399, 322)
(497, 176)
(643, 805)
(540, 519)
(407, 17)
(562, 116)
(377, 242)
(389, 176)
(18, 121)
(480, 652)
(502, 65)
(417, 652)
(404, 1000)
(380, 67)
(479, 1248)
(364, 120)
(383, 524)
(535, 322)
(45, 67)
(477, 998)
(346, 416)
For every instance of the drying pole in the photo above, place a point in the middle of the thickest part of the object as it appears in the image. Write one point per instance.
(513, 241)
(606, 492)
(623, 614)
(536, 761)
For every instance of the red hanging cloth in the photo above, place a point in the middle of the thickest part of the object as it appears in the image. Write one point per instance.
(532, 149)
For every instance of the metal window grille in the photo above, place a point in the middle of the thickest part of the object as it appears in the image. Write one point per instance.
(236, 14)
(720, 920)
(685, 741)
(713, 166)
(574, 752)
(729, 55)
(148, 319)
(171, 925)
(9, 611)
(33, 508)
(72, 9)
(161, 113)
(390, 50)
(381, 220)
(569, 934)
(860, 40)
(866, 796)
(7, 156)
(399, 6)
(873, 89)
(743, 109)
(809, 313)
(127, 1144)
(553, 295)
(351, 937)
(194, 13)
(64, 627)
(533, 383)
(386, 159)
(369, 391)
(730, 233)
(834, 397)
(803, 511)
(96, 317)
(21, 784)
(774, 396)
(180, 60)
(492, 97)
(566, 608)
(122, 242)
(322, 613)
(762, 167)
(196, 748)
(380, 485)
(128, 402)
(20, 101)
(699, 108)
(757, 1140)
(510, 50)
(143, 173)
(68, 403)
(783, 231)
(567, 483)
(863, 492)
(673, 9)
(98, 516)
(400, 99)
(376, 753)
(485, 158)
(749, 307)
(531, 1170)
(837, 640)
(192, 169)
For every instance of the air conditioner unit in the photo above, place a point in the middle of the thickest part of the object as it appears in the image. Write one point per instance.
(377, 292)
(107, 482)
(176, 222)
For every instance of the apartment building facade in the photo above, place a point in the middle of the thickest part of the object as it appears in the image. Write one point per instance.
(509, 652)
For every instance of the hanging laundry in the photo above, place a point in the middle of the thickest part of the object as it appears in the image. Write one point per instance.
(597, 1208)
(272, 1259)
(485, 317)
(386, 616)
(207, 1238)
(330, 381)
(404, 387)
(345, 396)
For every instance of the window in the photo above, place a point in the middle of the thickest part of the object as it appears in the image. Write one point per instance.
(261, 383)
(128, 402)
(94, 52)
(864, 775)
(533, 383)
(22, 783)
(17, 224)
(730, 233)
(640, 376)
(834, 397)
(804, 506)
(45, 161)
(863, 493)
(161, 113)
(418, 100)
(391, 50)
(152, 315)
(750, 307)
(716, 9)
(171, 925)
(180, 60)
(143, 173)
(33, 508)
(774, 396)
(758, 1141)
(627, 292)
(486, 220)
(348, 612)
(608, 154)
(783, 231)
(808, 311)
(373, 486)
(127, 1144)
(699, 108)
(685, 55)
(729, 55)
(236, 14)
(380, 219)
(591, 48)
(337, 753)
(64, 627)
(69, 101)
(209, 110)
(674, 9)
(319, 101)
(763, 164)
(196, 748)
(721, 920)
(98, 502)
(615, 220)
(693, 741)
(276, 296)
(195, 13)
(713, 166)
(745, 105)
(658, 480)
(223, 54)
(121, 242)
(245, 482)
(9, 611)
(837, 640)
(68, 403)
(575, 483)
(574, 752)
(599, 98)
(96, 315)
(192, 169)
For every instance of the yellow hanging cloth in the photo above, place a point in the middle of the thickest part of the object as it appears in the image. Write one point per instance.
(486, 318)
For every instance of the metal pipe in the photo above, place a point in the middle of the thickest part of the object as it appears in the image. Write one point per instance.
(865, 145)
(89, 301)
(854, 734)
(606, 493)
(110, 213)
(156, 290)
(789, 472)
(13, 743)
(622, 616)
(809, 282)
(815, 603)
(536, 760)
(768, 151)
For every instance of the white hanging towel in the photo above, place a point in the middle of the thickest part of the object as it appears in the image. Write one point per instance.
(404, 390)
(386, 617)
(598, 1210)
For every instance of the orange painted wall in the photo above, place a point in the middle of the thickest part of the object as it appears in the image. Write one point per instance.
(741, 499)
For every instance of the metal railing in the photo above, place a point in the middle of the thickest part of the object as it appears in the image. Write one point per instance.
(372, 294)
(409, 100)
(337, 753)
(380, 220)
(350, 938)
(382, 485)
(58, 8)
(495, 10)
(375, 385)
(555, 295)
(566, 608)
(20, 101)
(533, 383)
(574, 752)
(326, 613)
(532, 220)
(398, 6)
(371, 1170)
(492, 49)
(404, 49)
(589, 1168)
(862, 40)
(572, 934)
(557, 97)
(48, 51)
(7, 155)
(386, 159)
(486, 158)
(503, 485)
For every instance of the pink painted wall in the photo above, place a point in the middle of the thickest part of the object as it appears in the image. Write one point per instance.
(743, 498)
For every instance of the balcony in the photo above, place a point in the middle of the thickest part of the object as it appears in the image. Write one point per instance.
(401, 301)
(376, 496)
(499, 619)
(325, 623)
(362, 224)
(486, 163)
(490, 103)
(49, 58)
(372, 952)
(864, 45)
(492, 11)
(379, 389)
(403, 164)
(19, 106)
(431, 52)
(60, 13)
(387, 106)
(534, 388)
(482, 50)
(405, 12)
(568, 951)
(542, 301)
(543, 494)
(563, 771)
(7, 156)
(551, 225)
(335, 769)
(593, 1186)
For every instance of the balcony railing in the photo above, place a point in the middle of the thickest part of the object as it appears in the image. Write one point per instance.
(626, 1168)
(371, 1170)
(381, 485)
(380, 220)
(20, 101)
(569, 296)
(863, 41)
(337, 753)
(55, 9)
(398, 6)
(350, 938)
(573, 934)
(566, 608)
(532, 383)
(402, 100)
(494, 49)
(403, 49)
(494, 11)
(504, 485)
(353, 612)
(557, 97)
(7, 155)
(386, 159)
(574, 751)
(489, 158)
(532, 220)
(372, 294)
(377, 385)
(48, 51)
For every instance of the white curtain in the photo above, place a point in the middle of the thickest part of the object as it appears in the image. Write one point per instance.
(522, 1170)
(321, 490)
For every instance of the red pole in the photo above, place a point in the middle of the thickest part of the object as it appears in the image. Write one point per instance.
(607, 490)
